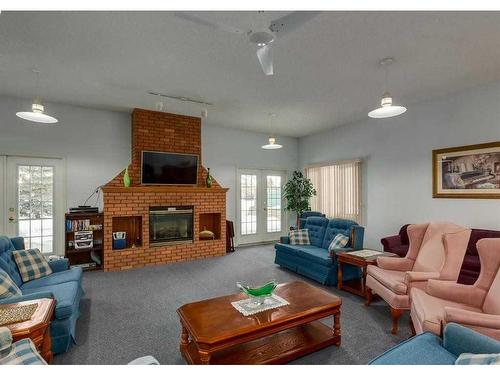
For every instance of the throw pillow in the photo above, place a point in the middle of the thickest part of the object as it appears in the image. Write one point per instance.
(32, 264)
(299, 237)
(8, 288)
(478, 359)
(338, 242)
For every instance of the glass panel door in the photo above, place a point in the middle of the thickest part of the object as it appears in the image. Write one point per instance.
(31, 191)
(273, 203)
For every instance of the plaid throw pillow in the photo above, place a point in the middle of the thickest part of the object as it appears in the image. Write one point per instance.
(338, 242)
(8, 288)
(32, 264)
(299, 237)
(478, 359)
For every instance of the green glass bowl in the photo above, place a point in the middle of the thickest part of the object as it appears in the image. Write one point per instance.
(259, 293)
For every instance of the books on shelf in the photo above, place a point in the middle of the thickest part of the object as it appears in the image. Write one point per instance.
(82, 224)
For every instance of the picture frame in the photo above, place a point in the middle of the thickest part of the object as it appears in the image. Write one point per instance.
(470, 172)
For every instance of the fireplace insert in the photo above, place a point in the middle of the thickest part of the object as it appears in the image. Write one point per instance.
(170, 225)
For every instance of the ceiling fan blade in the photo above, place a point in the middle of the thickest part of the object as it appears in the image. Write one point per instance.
(291, 21)
(265, 56)
(202, 21)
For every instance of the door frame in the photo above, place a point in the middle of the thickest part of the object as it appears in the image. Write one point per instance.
(60, 200)
(262, 194)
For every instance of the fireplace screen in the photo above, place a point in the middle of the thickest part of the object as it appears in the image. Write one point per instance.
(170, 225)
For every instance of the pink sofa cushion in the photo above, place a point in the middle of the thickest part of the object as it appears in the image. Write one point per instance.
(394, 280)
(429, 311)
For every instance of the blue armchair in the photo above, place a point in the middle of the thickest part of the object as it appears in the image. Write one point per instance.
(429, 349)
(64, 285)
(315, 261)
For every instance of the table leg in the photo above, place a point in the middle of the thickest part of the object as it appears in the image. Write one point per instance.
(204, 357)
(336, 327)
(184, 338)
(47, 346)
(363, 284)
(340, 276)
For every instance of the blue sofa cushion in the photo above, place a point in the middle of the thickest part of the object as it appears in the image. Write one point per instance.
(67, 296)
(7, 262)
(316, 255)
(287, 248)
(424, 349)
(337, 226)
(316, 226)
(73, 274)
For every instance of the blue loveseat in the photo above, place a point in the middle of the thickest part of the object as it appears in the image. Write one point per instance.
(429, 349)
(64, 285)
(314, 261)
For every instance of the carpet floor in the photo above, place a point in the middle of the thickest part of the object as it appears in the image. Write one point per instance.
(132, 313)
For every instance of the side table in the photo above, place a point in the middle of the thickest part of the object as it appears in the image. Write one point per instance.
(356, 286)
(37, 328)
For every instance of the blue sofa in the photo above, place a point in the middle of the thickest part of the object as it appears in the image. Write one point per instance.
(63, 284)
(429, 349)
(314, 261)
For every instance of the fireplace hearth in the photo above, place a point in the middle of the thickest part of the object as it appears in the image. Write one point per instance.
(170, 225)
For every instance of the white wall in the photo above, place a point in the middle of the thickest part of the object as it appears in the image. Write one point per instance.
(397, 153)
(95, 143)
(226, 150)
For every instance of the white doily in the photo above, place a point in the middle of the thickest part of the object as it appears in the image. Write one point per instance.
(248, 307)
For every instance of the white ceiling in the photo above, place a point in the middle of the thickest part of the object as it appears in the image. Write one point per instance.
(326, 72)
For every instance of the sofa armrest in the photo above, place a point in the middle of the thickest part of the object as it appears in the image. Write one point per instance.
(26, 297)
(413, 276)
(357, 237)
(18, 242)
(395, 264)
(285, 240)
(471, 318)
(59, 265)
(5, 341)
(390, 242)
(458, 339)
(451, 291)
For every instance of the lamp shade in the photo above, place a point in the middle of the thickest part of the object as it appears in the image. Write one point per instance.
(37, 115)
(387, 109)
(272, 145)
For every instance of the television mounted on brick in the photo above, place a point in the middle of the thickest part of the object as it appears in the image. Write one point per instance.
(168, 168)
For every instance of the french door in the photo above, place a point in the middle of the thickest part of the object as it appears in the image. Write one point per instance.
(34, 200)
(260, 205)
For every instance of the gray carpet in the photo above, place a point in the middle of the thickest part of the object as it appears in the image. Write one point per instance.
(130, 314)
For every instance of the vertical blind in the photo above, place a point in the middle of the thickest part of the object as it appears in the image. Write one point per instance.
(337, 189)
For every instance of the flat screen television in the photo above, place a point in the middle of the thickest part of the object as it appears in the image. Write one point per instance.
(165, 168)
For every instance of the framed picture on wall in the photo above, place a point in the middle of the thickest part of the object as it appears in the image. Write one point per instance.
(467, 171)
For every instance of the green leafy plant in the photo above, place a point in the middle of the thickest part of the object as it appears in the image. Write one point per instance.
(298, 191)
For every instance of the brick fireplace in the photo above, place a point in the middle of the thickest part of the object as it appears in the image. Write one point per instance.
(162, 223)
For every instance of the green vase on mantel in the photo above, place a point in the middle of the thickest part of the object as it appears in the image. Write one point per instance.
(126, 178)
(209, 179)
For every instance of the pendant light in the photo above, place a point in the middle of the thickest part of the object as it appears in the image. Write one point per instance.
(37, 109)
(271, 142)
(387, 109)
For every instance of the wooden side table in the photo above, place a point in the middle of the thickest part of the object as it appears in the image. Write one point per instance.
(356, 286)
(37, 328)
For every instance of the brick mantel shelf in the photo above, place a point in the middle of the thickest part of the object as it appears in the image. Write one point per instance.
(159, 131)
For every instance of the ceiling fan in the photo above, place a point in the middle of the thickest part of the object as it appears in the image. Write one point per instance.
(262, 37)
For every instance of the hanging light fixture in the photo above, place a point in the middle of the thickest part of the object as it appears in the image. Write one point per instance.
(271, 142)
(37, 109)
(386, 109)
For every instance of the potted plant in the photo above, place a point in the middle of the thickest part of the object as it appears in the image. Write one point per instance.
(298, 191)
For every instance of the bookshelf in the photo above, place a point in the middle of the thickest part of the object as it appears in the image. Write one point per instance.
(88, 226)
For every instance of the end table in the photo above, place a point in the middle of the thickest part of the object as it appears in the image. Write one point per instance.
(356, 286)
(37, 328)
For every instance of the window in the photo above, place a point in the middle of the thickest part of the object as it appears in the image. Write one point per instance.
(338, 189)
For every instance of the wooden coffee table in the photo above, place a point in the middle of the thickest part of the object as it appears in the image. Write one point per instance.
(356, 286)
(37, 328)
(214, 332)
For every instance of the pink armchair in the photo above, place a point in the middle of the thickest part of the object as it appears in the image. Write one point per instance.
(436, 251)
(476, 306)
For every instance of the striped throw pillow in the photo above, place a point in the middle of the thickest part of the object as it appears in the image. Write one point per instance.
(339, 241)
(32, 264)
(8, 288)
(299, 237)
(478, 359)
